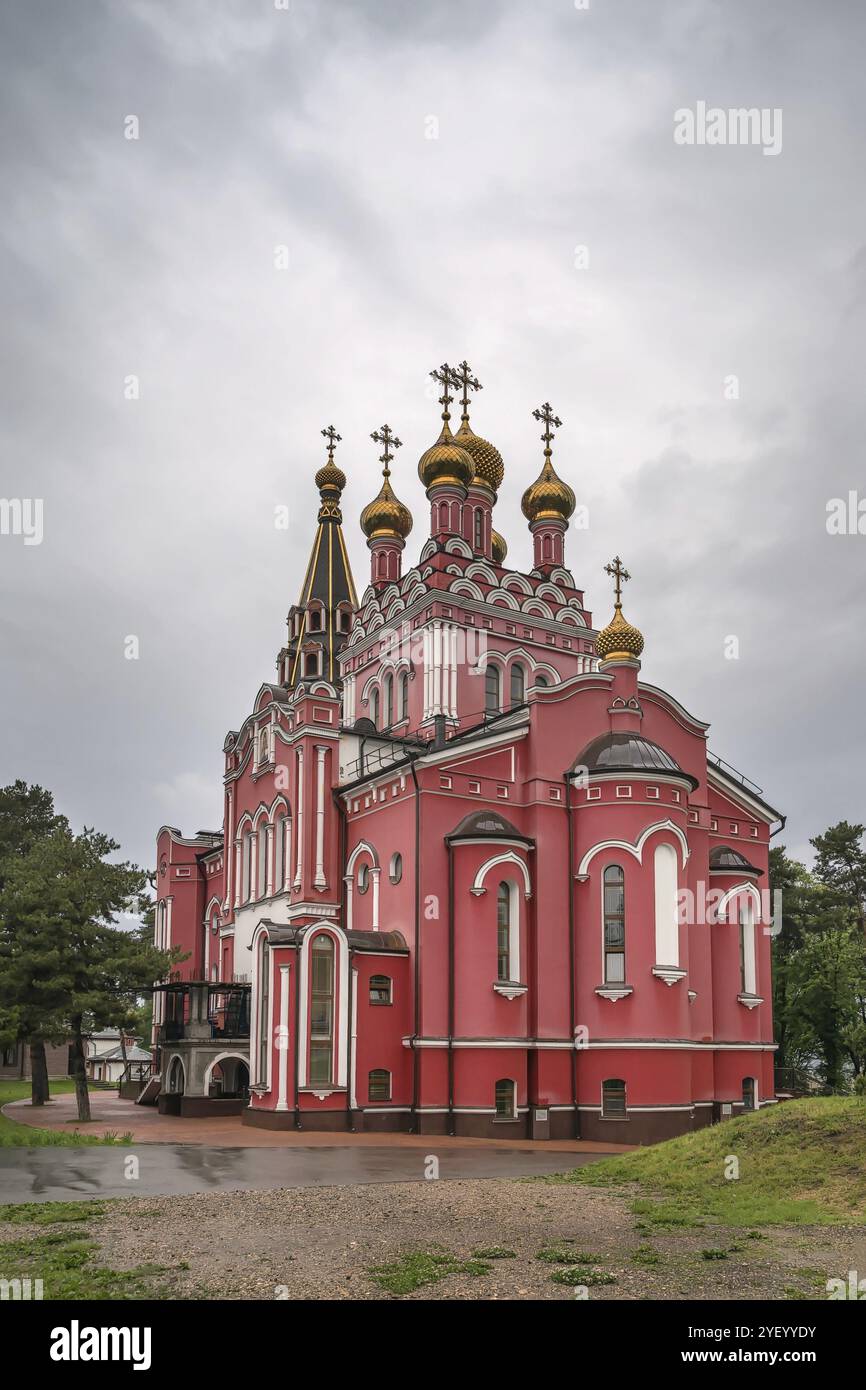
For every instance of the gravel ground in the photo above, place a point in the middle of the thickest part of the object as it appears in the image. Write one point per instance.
(318, 1243)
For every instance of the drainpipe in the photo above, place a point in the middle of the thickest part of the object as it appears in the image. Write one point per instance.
(298, 1041)
(341, 860)
(783, 820)
(417, 1022)
(571, 950)
(451, 989)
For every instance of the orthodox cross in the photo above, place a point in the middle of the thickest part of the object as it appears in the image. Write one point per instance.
(333, 440)
(546, 414)
(619, 574)
(446, 377)
(389, 442)
(463, 380)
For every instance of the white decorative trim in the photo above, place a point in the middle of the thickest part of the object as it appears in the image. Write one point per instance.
(508, 858)
(669, 973)
(342, 1031)
(635, 849)
(614, 992)
(751, 1001)
(283, 1040)
(509, 989)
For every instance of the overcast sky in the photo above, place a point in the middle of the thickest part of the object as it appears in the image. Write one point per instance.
(308, 128)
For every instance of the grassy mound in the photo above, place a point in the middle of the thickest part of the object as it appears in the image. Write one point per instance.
(801, 1161)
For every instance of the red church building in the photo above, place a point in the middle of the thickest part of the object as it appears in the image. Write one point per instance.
(475, 875)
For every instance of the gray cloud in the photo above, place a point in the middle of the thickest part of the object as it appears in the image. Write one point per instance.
(306, 129)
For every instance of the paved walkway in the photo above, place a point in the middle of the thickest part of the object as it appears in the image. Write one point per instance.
(62, 1174)
(147, 1126)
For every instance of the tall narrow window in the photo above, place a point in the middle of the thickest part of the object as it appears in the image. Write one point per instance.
(262, 860)
(247, 866)
(614, 925)
(281, 825)
(404, 695)
(492, 686)
(748, 974)
(264, 1010)
(748, 1093)
(742, 955)
(313, 664)
(518, 684)
(322, 1011)
(389, 701)
(506, 1099)
(374, 707)
(503, 932)
(479, 529)
(613, 1100)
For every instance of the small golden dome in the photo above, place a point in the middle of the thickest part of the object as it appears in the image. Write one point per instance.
(619, 641)
(446, 463)
(330, 478)
(386, 517)
(499, 548)
(489, 468)
(548, 498)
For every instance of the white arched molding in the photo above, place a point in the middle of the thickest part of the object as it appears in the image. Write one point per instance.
(508, 857)
(667, 930)
(363, 847)
(634, 849)
(341, 1016)
(748, 912)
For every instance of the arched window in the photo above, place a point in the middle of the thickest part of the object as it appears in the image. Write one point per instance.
(492, 688)
(281, 844)
(479, 529)
(363, 877)
(389, 701)
(748, 973)
(518, 684)
(503, 932)
(315, 620)
(374, 707)
(264, 1009)
(542, 681)
(404, 695)
(322, 1010)
(247, 867)
(395, 873)
(264, 748)
(613, 1099)
(506, 1099)
(614, 925)
(379, 1084)
(262, 860)
(380, 989)
(749, 1093)
(312, 666)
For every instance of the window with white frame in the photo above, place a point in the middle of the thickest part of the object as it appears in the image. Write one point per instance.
(505, 1097)
(614, 925)
(322, 1010)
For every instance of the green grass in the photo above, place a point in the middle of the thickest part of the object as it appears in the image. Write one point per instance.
(494, 1252)
(64, 1261)
(51, 1213)
(800, 1162)
(14, 1135)
(576, 1277)
(418, 1268)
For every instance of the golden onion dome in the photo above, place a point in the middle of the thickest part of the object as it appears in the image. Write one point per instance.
(330, 478)
(445, 463)
(489, 468)
(619, 641)
(386, 517)
(499, 548)
(548, 498)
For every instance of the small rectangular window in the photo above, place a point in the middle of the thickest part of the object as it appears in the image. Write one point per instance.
(380, 989)
(613, 1100)
(506, 1100)
(379, 1085)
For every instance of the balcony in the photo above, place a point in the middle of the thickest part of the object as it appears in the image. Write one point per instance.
(201, 1010)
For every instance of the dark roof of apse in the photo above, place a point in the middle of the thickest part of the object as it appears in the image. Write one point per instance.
(726, 859)
(629, 752)
(486, 825)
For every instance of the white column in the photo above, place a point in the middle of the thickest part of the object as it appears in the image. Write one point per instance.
(269, 851)
(287, 853)
(170, 900)
(350, 885)
(374, 874)
(254, 866)
(238, 871)
(227, 854)
(283, 1040)
(428, 673)
(453, 710)
(320, 881)
(299, 821)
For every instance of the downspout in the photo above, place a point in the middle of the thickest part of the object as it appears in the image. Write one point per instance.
(417, 1021)
(450, 988)
(571, 952)
(341, 860)
(298, 1042)
(783, 820)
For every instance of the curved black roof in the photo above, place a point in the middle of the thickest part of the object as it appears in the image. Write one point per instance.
(727, 860)
(629, 752)
(487, 825)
